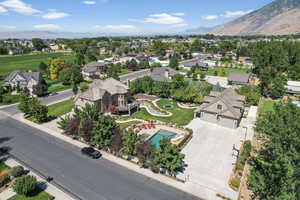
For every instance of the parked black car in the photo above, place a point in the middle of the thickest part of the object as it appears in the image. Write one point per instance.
(91, 152)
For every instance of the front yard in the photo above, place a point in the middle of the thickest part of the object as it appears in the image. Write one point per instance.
(40, 195)
(179, 116)
(10, 99)
(61, 108)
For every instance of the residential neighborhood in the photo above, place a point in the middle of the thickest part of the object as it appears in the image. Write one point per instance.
(179, 115)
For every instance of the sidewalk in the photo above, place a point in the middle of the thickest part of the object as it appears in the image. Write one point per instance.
(188, 187)
(50, 189)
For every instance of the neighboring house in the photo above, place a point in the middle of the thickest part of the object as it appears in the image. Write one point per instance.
(223, 108)
(293, 87)
(238, 79)
(93, 70)
(108, 95)
(162, 74)
(33, 81)
(15, 51)
(193, 62)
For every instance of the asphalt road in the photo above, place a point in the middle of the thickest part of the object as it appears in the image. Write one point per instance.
(87, 178)
(12, 110)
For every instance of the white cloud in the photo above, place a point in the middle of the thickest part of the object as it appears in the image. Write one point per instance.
(7, 28)
(227, 14)
(179, 25)
(117, 28)
(237, 13)
(20, 7)
(53, 14)
(162, 18)
(47, 27)
(179, 14)
(2, 9)
(89, 2)
(210, 17)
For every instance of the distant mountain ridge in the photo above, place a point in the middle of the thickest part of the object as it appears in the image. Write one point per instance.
(200, 30)
(280, 17)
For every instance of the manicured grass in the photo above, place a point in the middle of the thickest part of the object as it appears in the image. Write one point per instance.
(266, 106)
(28, 62)
(10, 99)
(58, 87)
(127, 124)
(61, 108)
(39, 196)
(180, 116)
(227, 70)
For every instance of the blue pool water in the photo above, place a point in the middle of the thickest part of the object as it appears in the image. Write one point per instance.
(161, 134)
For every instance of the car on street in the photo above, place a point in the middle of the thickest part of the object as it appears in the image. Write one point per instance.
(91, 152)
(53, 94)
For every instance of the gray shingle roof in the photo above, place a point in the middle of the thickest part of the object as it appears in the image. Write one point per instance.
(94, 67)
(26, 75)
(99, 87)
(232, 101)
(193, 62)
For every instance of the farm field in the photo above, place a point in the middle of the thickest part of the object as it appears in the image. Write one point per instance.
(28, 62)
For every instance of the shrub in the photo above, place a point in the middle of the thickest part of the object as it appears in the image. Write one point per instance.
(4, 178)
(25, 185)
(17, 171)
(235, 182)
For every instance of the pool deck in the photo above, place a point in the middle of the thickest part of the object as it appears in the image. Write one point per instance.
(152, 131)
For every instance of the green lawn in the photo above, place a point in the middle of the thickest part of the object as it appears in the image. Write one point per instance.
(58, 87)
(61, 108)
(10, 99)
(227, 70)
(180, 116)
(39, 196)
(127, 124)
(266, 106)
(28, 62)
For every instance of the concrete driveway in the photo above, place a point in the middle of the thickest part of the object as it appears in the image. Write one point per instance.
(209, 158)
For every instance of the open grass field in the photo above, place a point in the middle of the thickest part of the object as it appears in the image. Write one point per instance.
(28, 62)
(61, 108)
(180, 116)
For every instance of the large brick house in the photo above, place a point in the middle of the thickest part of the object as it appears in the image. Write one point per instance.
(33, 81)
(108, 95)
(223, 108)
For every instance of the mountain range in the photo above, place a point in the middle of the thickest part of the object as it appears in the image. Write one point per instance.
(280, 17)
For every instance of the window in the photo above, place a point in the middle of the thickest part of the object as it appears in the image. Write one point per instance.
(219, 107)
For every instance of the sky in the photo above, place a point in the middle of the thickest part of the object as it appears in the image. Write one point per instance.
(120, 16)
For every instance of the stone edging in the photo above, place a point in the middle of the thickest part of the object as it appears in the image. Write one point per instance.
(186, 107)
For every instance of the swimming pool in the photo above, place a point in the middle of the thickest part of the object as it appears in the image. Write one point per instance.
(161, 134)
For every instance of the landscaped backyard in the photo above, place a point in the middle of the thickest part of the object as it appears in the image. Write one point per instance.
(179, 116)
(61, 108)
